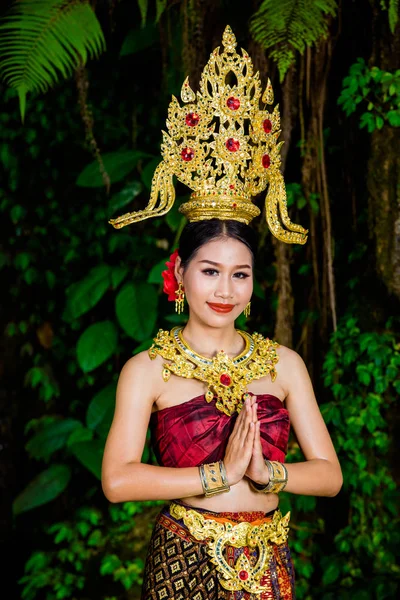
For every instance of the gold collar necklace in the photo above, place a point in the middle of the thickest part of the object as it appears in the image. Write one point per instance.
(227, 378)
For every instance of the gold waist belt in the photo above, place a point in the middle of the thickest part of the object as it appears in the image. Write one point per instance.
(258, 536)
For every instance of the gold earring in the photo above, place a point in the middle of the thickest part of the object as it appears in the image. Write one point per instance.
(180, 299)
(247, 309)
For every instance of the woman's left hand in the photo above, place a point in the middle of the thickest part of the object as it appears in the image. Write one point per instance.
(257, 470)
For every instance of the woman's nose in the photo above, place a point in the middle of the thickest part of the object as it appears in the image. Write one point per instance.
(224, 288)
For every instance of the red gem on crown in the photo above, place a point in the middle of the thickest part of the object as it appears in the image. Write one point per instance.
(266, 161)
(225, 379)
(267, 126)
(192, 119)
(233, 103)
(243, 575)
(232, 145)
(187, 154)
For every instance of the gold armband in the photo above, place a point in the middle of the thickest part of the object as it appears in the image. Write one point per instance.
(213, 478)
(278, 477)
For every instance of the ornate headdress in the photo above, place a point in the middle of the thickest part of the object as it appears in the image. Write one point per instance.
(224, 147)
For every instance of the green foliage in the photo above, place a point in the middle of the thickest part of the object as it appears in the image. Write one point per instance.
(144, 6)
(136, 310)
(42, 489)
(117, 164)
(90, 541)
(392, 6)
(44, 40)
(377, 93)
(290, 26)
(96, 344)
(361, 369)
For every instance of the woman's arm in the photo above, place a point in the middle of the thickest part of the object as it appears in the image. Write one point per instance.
(321, 474)
(124, 477)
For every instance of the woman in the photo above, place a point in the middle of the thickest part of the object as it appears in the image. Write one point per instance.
(218, 401)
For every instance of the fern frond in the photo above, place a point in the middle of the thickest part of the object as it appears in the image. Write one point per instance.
(285, 27)
(45, 40)
(393, 14)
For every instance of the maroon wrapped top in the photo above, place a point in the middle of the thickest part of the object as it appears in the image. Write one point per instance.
(196, 432)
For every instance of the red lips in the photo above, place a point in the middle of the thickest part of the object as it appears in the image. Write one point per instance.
(221, 308)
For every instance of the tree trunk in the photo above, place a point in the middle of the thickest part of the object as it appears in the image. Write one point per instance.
(384, 167)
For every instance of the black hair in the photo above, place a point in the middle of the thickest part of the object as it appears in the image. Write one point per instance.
(195, 235)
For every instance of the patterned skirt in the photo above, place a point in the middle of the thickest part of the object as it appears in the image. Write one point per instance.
(182, 563)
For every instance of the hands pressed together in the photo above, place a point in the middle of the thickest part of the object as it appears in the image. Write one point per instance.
(243, 455)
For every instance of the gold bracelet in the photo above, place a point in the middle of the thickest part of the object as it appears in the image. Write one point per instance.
(278, 477)
(213, 478)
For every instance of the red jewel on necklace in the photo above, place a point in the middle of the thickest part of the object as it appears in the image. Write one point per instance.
(225, 379)
(243, 575)
(192, 119)
(266, 161)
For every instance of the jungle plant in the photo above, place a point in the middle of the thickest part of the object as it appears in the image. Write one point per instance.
(45, 40)
(287, 27)
(376, 94)
(90, 540)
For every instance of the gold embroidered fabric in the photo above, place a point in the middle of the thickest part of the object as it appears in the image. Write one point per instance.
(227, 378)
(259, 537)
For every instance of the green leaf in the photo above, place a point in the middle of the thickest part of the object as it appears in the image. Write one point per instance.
(331, 573)
(125, 196)
(90, 455)
(136, 309)
(85, 294)
(42, 42)
(143, 6)
(22, 260)
(290, 27)
(393, 116)
(393, 14)
(155, 273)
(117, 164)
(101, 406)
(42, 489)
(52, 437)
(118, 274)
(96, 345)
(139, 39)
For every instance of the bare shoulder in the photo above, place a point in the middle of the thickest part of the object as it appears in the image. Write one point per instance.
(141, 376)
(288, 358)
(140, 363)
(291, 368)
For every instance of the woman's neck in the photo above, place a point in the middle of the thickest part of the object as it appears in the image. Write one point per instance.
(208, 341)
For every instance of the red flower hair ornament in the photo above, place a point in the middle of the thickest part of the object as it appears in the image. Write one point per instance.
(170, 281)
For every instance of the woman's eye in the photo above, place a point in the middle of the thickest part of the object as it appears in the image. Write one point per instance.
(241, 275)
(210, 271)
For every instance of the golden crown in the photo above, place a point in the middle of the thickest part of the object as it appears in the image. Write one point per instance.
(224, 147)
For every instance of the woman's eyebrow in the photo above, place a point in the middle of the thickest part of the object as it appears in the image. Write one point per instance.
(211, 262)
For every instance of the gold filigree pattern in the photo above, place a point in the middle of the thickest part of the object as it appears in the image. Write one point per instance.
(223, 144)
(227, 378)
(242, 576)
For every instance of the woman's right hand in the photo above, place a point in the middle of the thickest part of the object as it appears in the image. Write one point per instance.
(240, 445)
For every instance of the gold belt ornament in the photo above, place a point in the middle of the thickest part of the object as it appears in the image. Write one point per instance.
(242, 576)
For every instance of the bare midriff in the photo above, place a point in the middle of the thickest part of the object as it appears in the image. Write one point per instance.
(240, 498)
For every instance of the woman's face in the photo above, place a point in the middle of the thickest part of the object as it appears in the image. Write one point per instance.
(218, 281)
